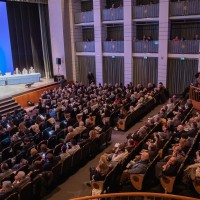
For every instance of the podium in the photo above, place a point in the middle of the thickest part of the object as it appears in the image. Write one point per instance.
(58, 78)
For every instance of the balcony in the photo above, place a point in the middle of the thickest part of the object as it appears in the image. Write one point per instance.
(184, 47)
(113, 46)
(183, 8)
(85, 46)
(145, 46)
(146, 11)
(84, 17)
(113, 14)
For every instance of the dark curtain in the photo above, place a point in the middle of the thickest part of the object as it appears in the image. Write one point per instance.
(115, 33)
(28, 32)
(116, 2)
(86, 6)
(148, 30)
(145, 71)
(145, 2)
(180, 73)
(186, 30)
(45, 37)
(86, 64)
(113, 70)
(88, 34)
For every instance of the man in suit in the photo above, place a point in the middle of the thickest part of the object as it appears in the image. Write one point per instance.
(50, 162)
(91, 78)
(139, 167)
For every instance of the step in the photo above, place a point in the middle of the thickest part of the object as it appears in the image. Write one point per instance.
(6, 99)
(10, 109)
(8, 105)
(6, 102)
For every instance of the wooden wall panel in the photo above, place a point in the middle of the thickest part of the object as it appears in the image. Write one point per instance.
(32, 96)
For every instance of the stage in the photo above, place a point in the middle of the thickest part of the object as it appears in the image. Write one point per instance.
(13, 90)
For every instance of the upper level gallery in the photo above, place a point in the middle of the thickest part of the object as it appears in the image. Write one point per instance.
(113, 11)
(105, 21)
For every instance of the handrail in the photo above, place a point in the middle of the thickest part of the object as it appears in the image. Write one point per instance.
(194, 95)
(136, 194)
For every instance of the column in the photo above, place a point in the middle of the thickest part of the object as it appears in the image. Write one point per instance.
(75, 34)
(56, 32)
(98, 40)
(128, 61)
(163, 40)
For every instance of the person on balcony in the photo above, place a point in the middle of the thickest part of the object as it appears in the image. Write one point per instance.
(176, 39)
(196, 37)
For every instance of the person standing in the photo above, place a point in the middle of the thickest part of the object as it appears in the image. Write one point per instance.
(91, 77)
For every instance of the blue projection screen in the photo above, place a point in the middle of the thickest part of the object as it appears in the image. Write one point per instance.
(6, 62)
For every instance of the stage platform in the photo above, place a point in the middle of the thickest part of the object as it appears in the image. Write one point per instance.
(14, 90)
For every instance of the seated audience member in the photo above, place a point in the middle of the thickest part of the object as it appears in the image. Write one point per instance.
(73, 146)
(80, 128)
(50, 120)
(191, 172)
(35, 169)
(43, 150)
(20, 180)
(138, 167)
(167, 168)
(93, 134)
(5, 171)
(71, 133)
(114, 157)
(33, 155)
(6, 189)
(99, 173)
(49, 162)
(131, 109)
(22, 163)
(64, 153)
(130, 145)
(27, 144)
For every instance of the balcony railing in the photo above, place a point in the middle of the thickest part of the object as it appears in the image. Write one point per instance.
(194, 95)
(113, 46)
(84, 17)
(184, 47)
(85, 46)
(145, 46)
(135, 195)
(146, 11)
(113, 14)
(182, 8)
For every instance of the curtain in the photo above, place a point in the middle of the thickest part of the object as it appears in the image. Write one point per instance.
(145, 71)
(29, 35)
(46, 42)
(148, 30)
(113, 70)
(187, 30)
(115, 33)
(86, 6)
(86, 64)
(180, 74)
(116, 2)
(88, 34)
(145, 2)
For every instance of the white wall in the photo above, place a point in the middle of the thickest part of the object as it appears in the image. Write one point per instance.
(56, 32)
(163, 40)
